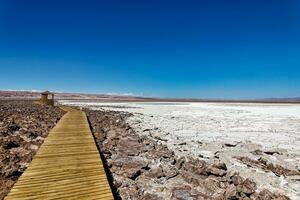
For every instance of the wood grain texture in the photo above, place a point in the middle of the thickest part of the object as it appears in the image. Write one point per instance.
(67, 166)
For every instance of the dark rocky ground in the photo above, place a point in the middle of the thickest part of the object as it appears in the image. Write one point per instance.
(23, 127)
(141, 168)
(267, 166)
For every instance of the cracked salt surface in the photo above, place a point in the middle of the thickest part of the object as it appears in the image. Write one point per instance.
(220, 131)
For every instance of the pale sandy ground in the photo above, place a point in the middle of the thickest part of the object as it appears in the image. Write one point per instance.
(202, 130)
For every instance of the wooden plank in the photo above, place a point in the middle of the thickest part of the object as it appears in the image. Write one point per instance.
(67, 166)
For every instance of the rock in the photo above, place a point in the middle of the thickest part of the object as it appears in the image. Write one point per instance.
(182, 143)
(213, 188)
(230, 192)
(191, 177)
(143, 168)
(13, 127)
(266, 194)
(220, 165)
(182, 193)
(263, 160)
(129, 192)
(22, 124)
(130, 146)
(249, 186)
(159, 138)
(163, 152)
(237, 180)
(265, 165)
(34, 147)
(133, 173)
(170, 171)
(111, 134)
(129, 167)
(272, 152)
(155, 172)
(149, 196)
(206, 154)
(257, 152)
(231, 144)
(179, 162)
(215, 171)
(11, 144)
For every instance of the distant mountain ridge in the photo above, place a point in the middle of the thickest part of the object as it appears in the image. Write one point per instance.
(284, 99)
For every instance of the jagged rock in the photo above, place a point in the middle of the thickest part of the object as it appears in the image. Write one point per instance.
(164, 152)
(231, 192)
(215, 171)
(237, 180)
(266, 195)
(149, 196)
(249, 186)
(267, 166)
(182, 143)
(129, 192)
(155, 172)
(231, 144)
(257, 152)
(263, 160)
(179, 162)
(220, 165)
(143, 168)
(190, 177)
(182, 193)
(130, 167)
(10, 144)
(130, 146)
(272, 152)
(170, 171)
(23, 127)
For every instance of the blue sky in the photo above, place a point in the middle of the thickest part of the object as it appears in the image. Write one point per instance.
(204, 49)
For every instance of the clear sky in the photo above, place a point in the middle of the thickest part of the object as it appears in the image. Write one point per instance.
(205, 49)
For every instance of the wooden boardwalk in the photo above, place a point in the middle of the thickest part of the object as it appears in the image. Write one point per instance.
(67, 166)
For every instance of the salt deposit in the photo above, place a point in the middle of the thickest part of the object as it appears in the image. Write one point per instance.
(224, 131)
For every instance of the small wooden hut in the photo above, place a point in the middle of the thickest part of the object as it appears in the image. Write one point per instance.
(44, 98)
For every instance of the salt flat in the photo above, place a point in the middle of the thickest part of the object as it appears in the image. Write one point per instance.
(223, 131)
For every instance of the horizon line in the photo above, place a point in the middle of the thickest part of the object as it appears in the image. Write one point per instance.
(296, 98)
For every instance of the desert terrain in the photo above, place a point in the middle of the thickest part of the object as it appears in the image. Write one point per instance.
(24, 125)
(168, 150)
(259, 141)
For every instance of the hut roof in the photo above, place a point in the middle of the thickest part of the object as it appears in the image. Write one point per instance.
(46, 92)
